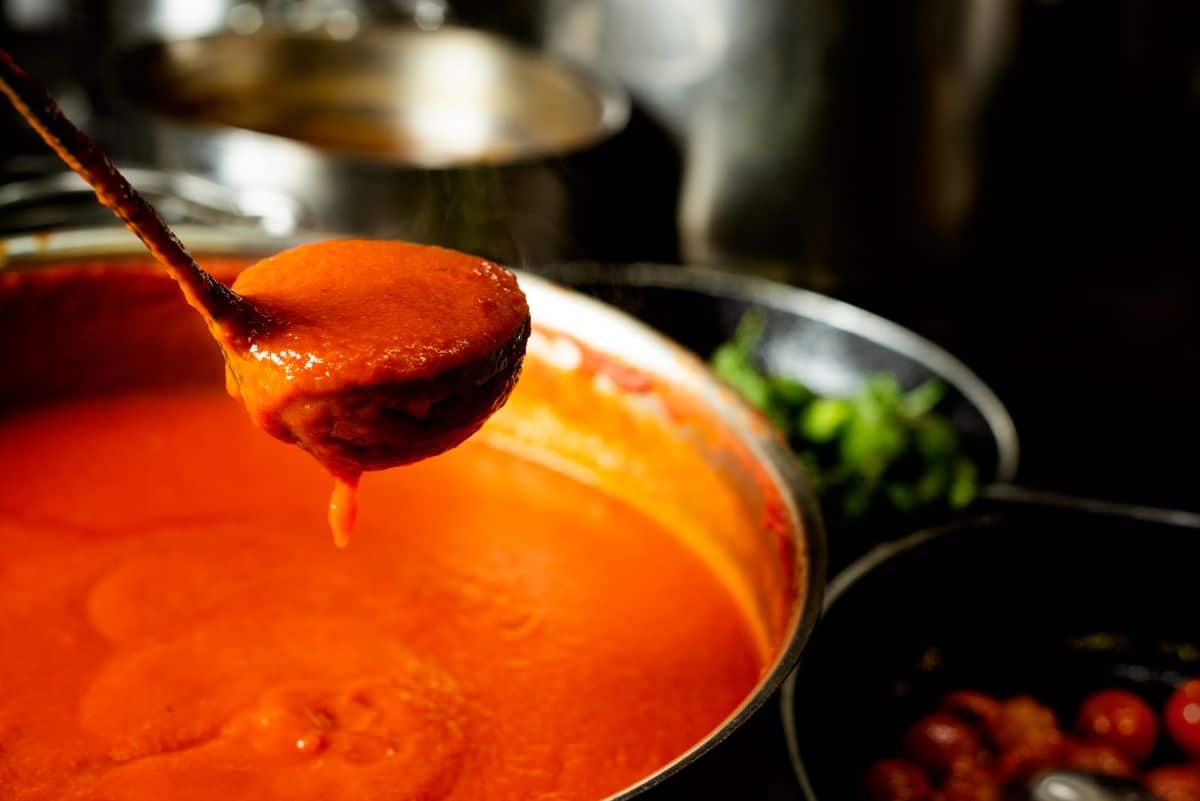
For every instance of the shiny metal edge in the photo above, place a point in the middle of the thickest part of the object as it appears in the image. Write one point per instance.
(1010, 493)
(114, 239)
(623, 337)
(882, 553)
(842, 315)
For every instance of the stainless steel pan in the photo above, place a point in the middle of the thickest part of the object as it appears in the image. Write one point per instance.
(770, 547)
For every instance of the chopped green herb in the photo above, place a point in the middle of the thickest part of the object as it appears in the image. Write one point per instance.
(924, 399)
(824, 418)
(881, 447)
(964, 486)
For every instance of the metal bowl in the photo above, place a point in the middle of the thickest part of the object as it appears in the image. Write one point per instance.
(1049, 596)
(825, 343)
(752, 516)
(450, 136)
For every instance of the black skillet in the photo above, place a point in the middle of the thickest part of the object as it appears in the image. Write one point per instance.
(1055, 598)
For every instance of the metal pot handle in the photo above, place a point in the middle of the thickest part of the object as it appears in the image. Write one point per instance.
(61, 199)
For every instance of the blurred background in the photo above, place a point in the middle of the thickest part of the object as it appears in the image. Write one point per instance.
(1015, 179)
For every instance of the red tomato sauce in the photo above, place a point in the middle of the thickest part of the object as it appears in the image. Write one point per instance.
(174, 624)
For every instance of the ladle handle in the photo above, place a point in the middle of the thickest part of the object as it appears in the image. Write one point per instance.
(210, 297)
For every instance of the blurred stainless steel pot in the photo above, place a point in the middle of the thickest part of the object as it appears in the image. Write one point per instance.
(742, 505)
(850, 142)
(449, 136)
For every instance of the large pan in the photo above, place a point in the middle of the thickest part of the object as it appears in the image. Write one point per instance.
(767, 538)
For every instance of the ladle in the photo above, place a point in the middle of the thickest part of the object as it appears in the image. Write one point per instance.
(366, 354)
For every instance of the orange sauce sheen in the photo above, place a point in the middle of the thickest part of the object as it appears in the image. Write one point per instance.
(174, 624)
(371, 354)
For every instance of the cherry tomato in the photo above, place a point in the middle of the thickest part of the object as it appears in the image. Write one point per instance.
(1020, 719)
(936, 740)
(897, 780)
(969, 780)
(1097, 758)
(1182, 717)
(1038, 750)
(1173, 783)
(1121, 720)
(976, 708)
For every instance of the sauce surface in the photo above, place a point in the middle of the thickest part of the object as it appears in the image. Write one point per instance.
(174, 626)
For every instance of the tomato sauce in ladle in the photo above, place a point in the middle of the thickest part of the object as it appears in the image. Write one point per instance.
(366, 354)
